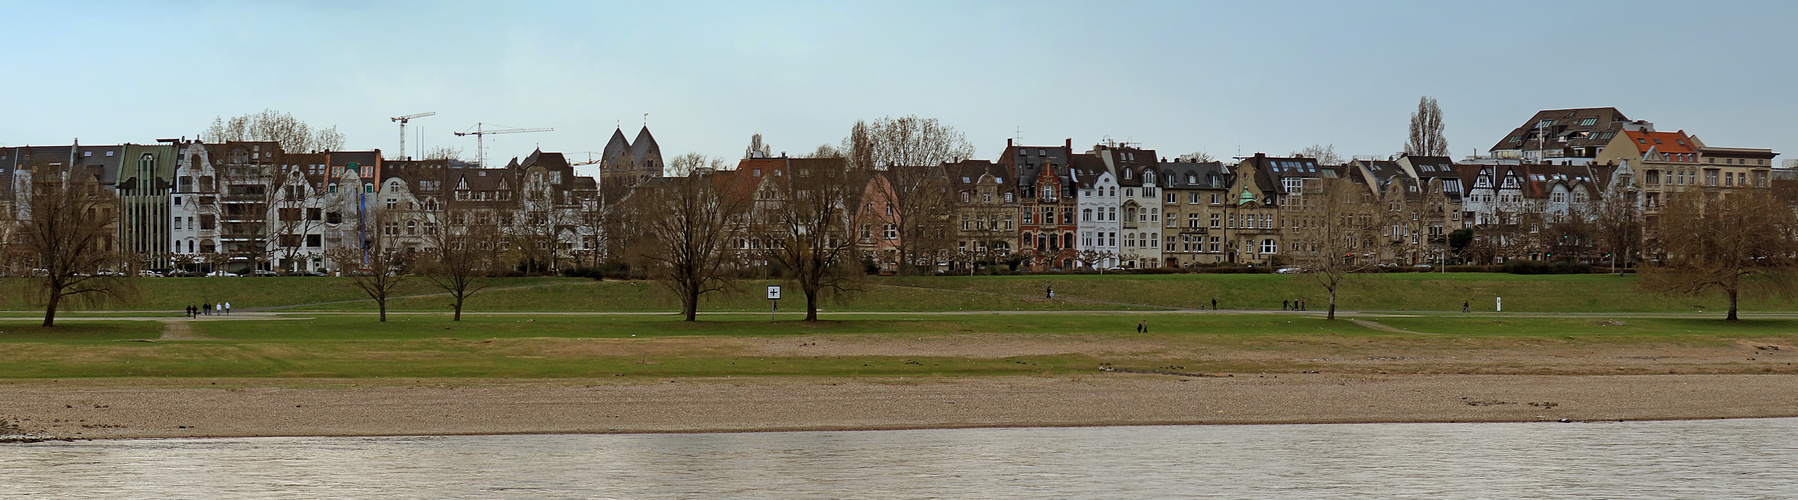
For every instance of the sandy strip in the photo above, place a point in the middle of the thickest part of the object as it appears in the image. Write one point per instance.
(249, 407)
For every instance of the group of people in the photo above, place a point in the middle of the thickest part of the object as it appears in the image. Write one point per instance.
(207, 309)
(1293, 305)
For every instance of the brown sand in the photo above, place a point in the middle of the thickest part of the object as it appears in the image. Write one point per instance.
(141, 408)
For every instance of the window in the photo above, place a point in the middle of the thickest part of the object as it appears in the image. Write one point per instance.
(1588, 122)
(964, 223)
(1086, 215)
(1113, 215)
(1268, 246)
(314, 214)
(1193, 199)
(1217, 220)
(1192, 220)
(964, 196)
(1217, 199)
(890, 231)
(1216, 244)
(1172, 198)
(177, 223)
(208, 222)
(1008, 197)
(1008, 223)
(1129, 192)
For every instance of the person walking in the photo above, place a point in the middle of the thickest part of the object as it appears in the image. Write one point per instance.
(1467, 306)
(206, 308)
(1285, 305)
(1214, 304)
(1302, 304)
(1139, 327)
(227, 308)
(1051, 291)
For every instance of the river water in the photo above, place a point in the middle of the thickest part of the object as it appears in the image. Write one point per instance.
(1753, 458)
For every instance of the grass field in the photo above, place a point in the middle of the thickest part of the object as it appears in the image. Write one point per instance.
(343, 345)
(1399, 292)
(904, 326)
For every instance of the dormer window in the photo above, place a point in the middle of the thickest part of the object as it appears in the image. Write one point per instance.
(1129, 174)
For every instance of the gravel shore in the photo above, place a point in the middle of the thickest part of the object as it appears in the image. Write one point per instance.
(158, 408)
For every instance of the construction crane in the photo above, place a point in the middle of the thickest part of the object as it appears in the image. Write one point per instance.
(403, 120)
(589, 161)
(480, 134)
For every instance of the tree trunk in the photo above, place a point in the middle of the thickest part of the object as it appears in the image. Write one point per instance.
(690, 304)
(1332, 314)
(50, 310)
(383, 304)
(459, 299)
(811, 306)
(1732, 305)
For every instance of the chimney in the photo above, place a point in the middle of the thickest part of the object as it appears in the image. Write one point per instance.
(1069, 144)
(1008, 142)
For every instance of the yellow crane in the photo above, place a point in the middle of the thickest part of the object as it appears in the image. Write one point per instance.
(480, 134)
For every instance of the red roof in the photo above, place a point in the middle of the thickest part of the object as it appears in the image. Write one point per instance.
(1665, 142)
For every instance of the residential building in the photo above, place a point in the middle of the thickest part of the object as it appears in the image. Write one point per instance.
(1045, 189)
(1572, 135)
(985, 212)
(1193, 201)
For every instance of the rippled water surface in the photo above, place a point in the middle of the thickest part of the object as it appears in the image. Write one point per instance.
(1690, 459)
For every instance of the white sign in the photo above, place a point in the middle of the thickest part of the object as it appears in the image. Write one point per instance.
(773, 292)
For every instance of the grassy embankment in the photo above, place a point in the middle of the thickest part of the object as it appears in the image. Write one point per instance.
(655, 346)
(649, 346)
(1394, 292)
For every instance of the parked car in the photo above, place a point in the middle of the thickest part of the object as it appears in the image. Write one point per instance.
(149, 273)
(265, 272)
(221, 274)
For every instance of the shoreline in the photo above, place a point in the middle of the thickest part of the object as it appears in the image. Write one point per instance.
(135, 408)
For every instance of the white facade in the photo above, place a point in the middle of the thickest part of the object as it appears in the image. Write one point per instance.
(1098, 206)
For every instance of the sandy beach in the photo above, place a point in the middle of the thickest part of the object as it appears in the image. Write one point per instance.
(152, 408)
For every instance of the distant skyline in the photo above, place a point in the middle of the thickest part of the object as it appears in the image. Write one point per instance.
(1177, 77)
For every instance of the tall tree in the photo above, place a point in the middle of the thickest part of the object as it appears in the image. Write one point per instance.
(1618, 226)
(67, 236)
(1426, 130)
(462, 259)
(805, 221)
(1197, 157)
(911, 152)
(376, 267)
(293, 135)
(688, 221)
(1734, 242)
(757, 147)
(1333, 236)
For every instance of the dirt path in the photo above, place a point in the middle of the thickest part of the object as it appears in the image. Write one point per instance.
(1030, 297)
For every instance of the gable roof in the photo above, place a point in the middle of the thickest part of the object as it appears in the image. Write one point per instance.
(1665, 142)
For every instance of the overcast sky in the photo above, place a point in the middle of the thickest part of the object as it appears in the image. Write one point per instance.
(1176, 76)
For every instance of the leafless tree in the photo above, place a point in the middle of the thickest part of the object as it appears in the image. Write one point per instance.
(66, 235)
(757, 147)
(806, 227)
(688, 221)
(462, 259)
(1737, 242)
(911, 151)
(1197, 157)
(825, 151)
(1325, 154)
(1426, 130)
(269, 125)
(1334, 236)
(443, 153)
(1091, 258)
(298, 211)
(1617, 225)
(376, 267)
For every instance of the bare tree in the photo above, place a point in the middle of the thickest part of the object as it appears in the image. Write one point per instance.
(1091, 258)
(1618, 227)
(806, 227)
(298, 208)
(67, 236)
(1325, 154)
(911, 151)
(1736, 242)
(757, 147)
(375, 267)
(1426, 130)
(1334, 235)
(443, 153)
(825, 151)
(461, 260)
(1197, 157)
(688, 221)
(269, 125)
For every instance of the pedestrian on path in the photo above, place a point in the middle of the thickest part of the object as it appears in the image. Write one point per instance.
(1301, 304)
(1214, 304)
(206, 308)
(1051, 290)
(1139, 327)
(1467, 306)
(227, 308)
(1285, 305)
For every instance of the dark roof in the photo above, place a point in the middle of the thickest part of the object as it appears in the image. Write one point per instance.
(969, 172)
(1087, 168)
(1185, 175)
(1025, 163)
(1270, 170)
(643, 146)
(1564, 128)
(618, 145)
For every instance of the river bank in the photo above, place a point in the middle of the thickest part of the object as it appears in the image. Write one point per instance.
(163, 408)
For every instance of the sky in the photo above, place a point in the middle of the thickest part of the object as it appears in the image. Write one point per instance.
(1178, 77)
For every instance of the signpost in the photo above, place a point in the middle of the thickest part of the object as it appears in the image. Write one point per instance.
(774, 297)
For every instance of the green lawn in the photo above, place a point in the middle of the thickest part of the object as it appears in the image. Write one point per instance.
(1401, 292)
